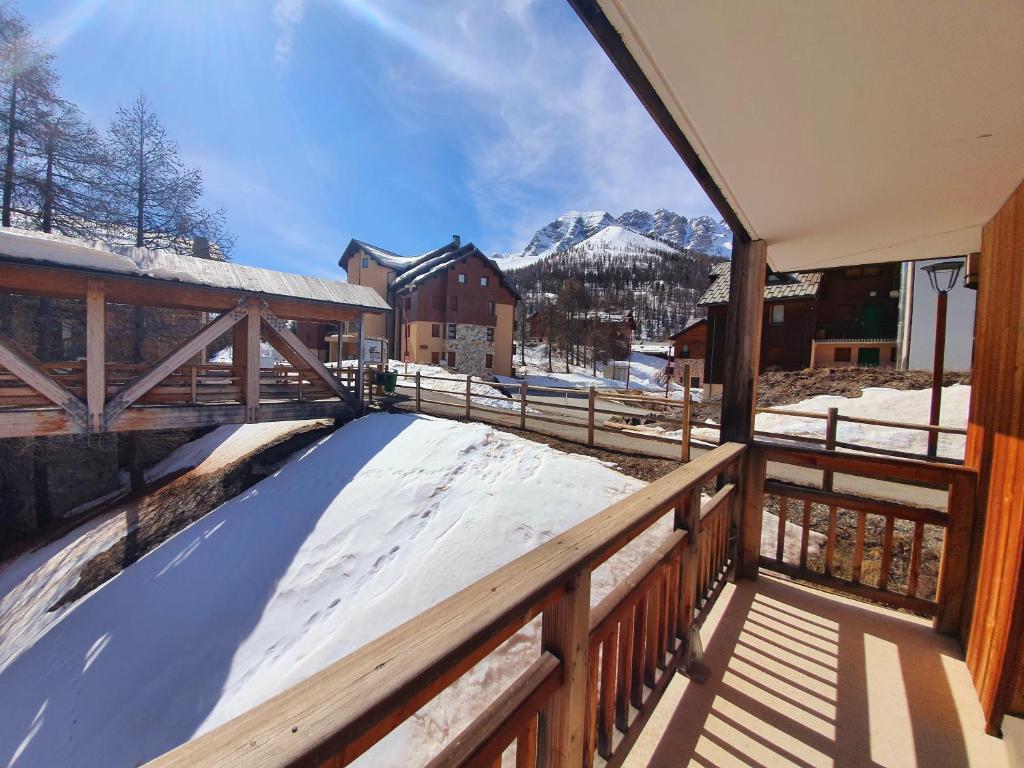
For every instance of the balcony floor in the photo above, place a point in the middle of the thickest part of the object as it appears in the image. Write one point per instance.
(805, 678)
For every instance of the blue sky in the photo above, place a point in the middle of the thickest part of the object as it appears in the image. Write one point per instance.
(399, 123)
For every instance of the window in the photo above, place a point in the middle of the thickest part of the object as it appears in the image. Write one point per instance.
(451, 359)
(451, 330)
(455, 303)
(490, 334)
(686, 350)
(842, 355)
(871, 270)
(778, 314)
(488, 361)
(366, 262)
(435, 330)
(483, 282)
(423, 346)
(435, 358)
(462, 278)
(490, 307)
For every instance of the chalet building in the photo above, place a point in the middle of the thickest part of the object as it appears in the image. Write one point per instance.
(617, 327)
(834, 317)
(689, 346)
(453, 305)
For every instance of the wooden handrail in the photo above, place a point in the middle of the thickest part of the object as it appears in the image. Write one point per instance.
(347, 707)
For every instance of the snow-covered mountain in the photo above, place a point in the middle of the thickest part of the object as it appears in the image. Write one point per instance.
(702, 234)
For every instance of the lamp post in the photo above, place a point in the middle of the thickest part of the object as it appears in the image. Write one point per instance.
(942, 277)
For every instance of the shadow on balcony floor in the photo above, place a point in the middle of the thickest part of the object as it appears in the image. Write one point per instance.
(804, 678)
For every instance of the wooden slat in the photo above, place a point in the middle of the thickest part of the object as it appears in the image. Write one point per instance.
(780, 534)
(95, 354)
(858, 548)
(636, 696)
(830, 539)
(526, 746)
(590, 724)
(508, 716)
(624, 689)
(886, 564)
(15, 361)
(915, 559)
(170, 362)
(651, 657)
(805, 534)
(608, 696)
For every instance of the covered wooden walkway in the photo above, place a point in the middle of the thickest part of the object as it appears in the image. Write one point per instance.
(96, 392)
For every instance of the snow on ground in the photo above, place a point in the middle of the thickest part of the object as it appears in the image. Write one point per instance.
(483, 394)
(908, 406)
(32, 582)
(378, 521)
(269, 357)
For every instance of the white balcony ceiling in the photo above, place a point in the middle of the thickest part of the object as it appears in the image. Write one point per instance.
(844, 132)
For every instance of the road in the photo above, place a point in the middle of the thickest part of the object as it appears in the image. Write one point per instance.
(454, 407)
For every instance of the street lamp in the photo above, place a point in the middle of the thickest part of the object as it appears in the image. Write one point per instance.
(942, 277)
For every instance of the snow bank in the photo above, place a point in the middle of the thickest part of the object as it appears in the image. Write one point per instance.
(378, 521)
(909, 406)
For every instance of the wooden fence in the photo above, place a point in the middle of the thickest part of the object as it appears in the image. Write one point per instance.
(599, 673)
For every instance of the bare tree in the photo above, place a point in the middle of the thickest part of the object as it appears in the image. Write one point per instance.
(27, 81)
(151, 193)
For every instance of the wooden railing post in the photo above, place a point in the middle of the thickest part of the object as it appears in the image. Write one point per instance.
(469, 402)
(831, 432)
(194, 385)
(419, 403)
(95, 354)
(522, 404)
(591, 396)
(685, 439)
(252, 363)
(956, 551)
(565, 633)
(687, 518)
(751, 513)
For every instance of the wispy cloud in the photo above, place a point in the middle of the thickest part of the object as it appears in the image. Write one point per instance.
(61, 27)
(545, 121)
(287, 15)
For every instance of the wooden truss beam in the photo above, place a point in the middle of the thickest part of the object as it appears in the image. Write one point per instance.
(18, 363)
(95, 354)
(175, 359)
(277, 331)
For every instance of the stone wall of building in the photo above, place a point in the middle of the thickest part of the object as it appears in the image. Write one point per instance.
(471, 348)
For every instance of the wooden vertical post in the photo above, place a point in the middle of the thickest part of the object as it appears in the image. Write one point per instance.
(469, 402)
(419, 404)
(954, 574)
(95, 353)
(522, 403)
(743, 339)
(252, 364)
(831, 431)
(565, 633)
(687, 517)
(591, 397)
(751, 513)
(687, 410)
(192, 382)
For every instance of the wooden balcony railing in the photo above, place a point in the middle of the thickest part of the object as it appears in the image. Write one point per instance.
(902, 555)
(599, 673)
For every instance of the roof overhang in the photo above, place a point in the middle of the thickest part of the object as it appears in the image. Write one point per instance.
(839, 132)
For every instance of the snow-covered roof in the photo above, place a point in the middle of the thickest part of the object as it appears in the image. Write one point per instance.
(779, 287)
(96, 256)
(389, 259)
(432, 264)
(693, 322)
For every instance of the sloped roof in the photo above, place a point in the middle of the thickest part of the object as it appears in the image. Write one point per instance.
(432, 264)
(692, 323)
(389, 259)
(781, 286)
(37, 247)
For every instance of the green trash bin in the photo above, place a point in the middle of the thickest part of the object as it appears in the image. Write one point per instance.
(390, 382)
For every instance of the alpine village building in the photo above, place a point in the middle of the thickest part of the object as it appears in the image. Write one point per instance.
(452, 306)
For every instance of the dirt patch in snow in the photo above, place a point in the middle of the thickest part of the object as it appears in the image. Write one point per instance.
(777, 388)
(157, 516)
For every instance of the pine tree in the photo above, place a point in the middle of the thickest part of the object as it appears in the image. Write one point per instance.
(151, 193)
(27, 84)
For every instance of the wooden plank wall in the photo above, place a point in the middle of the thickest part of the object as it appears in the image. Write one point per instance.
(995, 447)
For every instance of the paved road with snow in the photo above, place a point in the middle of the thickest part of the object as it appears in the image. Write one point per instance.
(623, 441)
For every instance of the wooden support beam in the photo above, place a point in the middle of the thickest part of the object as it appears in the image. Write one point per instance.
(743, 339)
(954, 572)
(19, 363)
(95, 353)
(178, 357)
(751, 512)
(565, 633)
(278, 332)
(252, 364)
